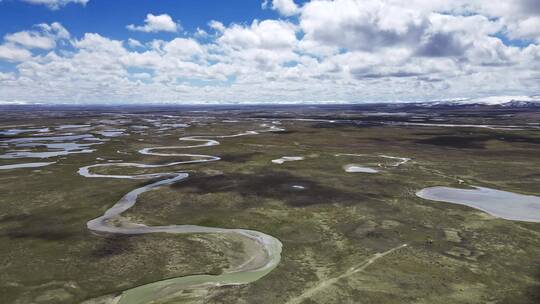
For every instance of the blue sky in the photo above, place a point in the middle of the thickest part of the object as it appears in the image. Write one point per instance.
(109, 18)
(121, 51)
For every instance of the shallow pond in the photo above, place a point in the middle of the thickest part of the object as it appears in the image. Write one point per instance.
(352, 168)
(503, 204)
(283, 159)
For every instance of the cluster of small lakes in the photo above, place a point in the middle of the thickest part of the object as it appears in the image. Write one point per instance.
(32, 147)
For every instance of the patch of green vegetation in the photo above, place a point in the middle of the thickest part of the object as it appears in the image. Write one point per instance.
(337, 221)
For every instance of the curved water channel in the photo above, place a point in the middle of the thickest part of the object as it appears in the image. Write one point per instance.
(262, 262)
(356, 168)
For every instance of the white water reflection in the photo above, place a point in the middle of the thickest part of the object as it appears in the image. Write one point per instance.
(25, 165)
(400, 160)
(59, 138)
(503, 204)
(12, 132)
(202, 141)
(48, 146)
(284, 159)
(63, 127)
(353, 168)
(112, 132)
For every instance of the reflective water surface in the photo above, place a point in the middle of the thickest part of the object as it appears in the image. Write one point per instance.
(353, 168)
(503, 204)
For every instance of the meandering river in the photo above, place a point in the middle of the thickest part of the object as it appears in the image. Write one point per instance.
(262, 262)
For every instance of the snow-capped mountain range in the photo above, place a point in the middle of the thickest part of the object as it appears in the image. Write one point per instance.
(503, 101)
(514, 101)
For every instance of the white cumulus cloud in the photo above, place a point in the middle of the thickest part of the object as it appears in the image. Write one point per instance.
(267, 34)
(156, 23)
(10, 52)
(134, 43)
(284, 7)
(340, 50)
(31, 40)
(44, 39)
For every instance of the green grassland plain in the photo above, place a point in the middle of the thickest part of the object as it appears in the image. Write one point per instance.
(337, 222)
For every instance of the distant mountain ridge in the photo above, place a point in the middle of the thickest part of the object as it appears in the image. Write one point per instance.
(500, 101)
(496, 101)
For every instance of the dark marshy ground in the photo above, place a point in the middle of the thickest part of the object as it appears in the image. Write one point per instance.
(333, 222)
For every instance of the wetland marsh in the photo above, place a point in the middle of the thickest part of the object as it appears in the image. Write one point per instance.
(269, 205)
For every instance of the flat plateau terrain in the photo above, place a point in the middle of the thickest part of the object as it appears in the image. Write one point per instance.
(337, 186)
